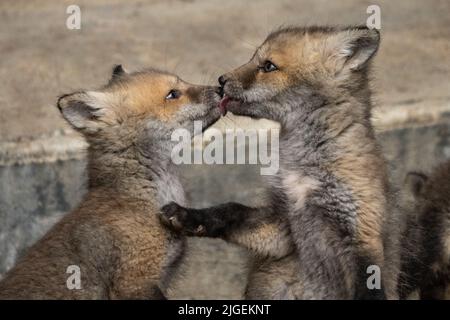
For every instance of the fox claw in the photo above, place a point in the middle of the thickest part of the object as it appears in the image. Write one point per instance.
(175, 223)
(200, 230)
(176, 218)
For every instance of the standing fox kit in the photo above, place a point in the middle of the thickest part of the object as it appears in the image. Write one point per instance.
(114, 236)
(328, 205)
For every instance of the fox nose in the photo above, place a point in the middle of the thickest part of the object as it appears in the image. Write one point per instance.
(219, 91)
(222, 80)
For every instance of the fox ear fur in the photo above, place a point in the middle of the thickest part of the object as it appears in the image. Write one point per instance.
(354, 47)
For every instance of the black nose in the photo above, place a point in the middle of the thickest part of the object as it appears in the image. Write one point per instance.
(219, 91)
(222, 80)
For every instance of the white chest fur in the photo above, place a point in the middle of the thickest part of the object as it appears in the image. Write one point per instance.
(297, 187)
(170, 189)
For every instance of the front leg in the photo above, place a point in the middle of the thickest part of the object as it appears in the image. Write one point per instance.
(209, 222)
(258, 229)
(332, 267)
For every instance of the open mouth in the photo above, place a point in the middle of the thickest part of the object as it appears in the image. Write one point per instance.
(223, 104)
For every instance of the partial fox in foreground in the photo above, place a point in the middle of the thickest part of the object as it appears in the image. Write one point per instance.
(114, 236)
(329, 210)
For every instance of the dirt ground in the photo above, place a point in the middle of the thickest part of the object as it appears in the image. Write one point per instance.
(198, 39)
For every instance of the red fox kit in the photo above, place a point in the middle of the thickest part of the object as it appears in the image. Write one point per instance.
(329, 202)
(114, 236)
(426, 244)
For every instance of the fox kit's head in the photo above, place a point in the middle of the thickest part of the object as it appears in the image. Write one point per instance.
(431, 192)
(431, 209)
(307, 65)
(139, 109)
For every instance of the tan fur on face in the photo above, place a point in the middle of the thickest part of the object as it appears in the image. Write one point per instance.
(311, 57)
(145, 95)
(295, 58)
(295, 55)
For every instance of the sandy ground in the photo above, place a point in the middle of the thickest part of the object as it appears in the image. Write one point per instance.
(198, 39)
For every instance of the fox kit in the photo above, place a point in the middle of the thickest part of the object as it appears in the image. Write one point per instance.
(426, 254)
(328, 202)
(114, 238)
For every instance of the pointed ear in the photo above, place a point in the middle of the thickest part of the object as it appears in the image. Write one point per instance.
(83, 110)
(414, 182)
(118, 71)
(353, 48)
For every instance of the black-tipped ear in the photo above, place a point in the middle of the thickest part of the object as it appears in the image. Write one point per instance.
(80, 111)
(118, 71)
(415, 181)
(357, 46)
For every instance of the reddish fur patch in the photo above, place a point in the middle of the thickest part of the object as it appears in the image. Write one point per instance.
(145, 95)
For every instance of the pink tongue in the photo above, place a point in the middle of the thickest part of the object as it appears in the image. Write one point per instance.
(223, 105)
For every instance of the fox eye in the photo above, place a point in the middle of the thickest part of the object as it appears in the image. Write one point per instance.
(173, 94)
(268, 66)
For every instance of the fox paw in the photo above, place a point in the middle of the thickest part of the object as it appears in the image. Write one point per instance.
(181, 220)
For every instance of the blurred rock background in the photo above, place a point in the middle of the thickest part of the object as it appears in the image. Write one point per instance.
(42, 161)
